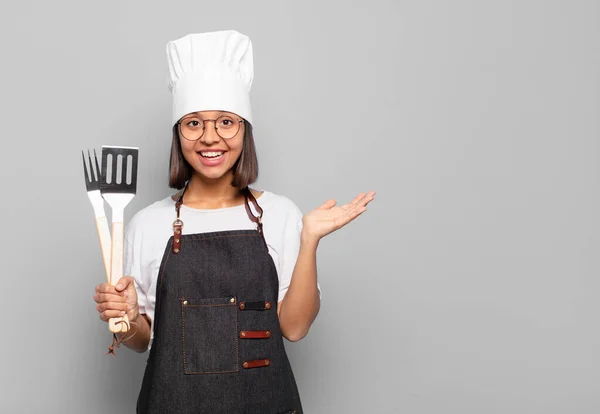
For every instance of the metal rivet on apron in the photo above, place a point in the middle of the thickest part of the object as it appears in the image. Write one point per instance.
(268, 334)
(266, 362)
(177, 232)
(232, 300)
(268, 305)
(245, 365)
(243, 334)
(176, 250)
(185, 302)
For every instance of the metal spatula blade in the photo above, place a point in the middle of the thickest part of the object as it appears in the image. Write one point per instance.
(119, 170)
(118, 185)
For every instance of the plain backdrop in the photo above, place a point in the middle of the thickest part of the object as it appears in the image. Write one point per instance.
(470, 286)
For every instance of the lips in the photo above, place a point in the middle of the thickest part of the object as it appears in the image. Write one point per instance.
(211, 158)
(211, 154)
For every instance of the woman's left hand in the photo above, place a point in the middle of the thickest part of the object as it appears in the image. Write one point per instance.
(327, 218)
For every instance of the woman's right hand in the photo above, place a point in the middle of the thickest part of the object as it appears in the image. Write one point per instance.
(114, 301)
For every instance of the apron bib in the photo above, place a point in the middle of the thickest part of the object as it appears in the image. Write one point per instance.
(217, 345)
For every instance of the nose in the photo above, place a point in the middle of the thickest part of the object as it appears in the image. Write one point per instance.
(210, 135)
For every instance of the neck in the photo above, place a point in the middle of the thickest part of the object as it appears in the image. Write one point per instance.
(206, 193)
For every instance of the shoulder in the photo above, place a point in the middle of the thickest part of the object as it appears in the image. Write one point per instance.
(158, 208)
(152, 213)
(280, 215)
(276, 203)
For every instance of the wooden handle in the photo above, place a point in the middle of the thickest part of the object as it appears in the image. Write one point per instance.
(116, 273)
(104, 236)
(115, 325)
(116, 257)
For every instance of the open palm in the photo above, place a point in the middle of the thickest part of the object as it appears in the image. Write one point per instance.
(328, 217)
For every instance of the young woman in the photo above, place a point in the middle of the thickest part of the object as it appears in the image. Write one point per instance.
(219, 273)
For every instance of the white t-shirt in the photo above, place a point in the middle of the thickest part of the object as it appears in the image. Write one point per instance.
(149, 230)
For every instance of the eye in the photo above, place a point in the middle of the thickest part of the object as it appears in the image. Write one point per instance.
(226, 122)
(192, 123)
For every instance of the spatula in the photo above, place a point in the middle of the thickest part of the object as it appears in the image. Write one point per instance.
(92, 184)
(118, 186)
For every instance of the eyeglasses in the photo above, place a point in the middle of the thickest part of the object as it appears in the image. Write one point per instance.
(192, 127)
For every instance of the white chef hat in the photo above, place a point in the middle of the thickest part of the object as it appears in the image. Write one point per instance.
(211, 71)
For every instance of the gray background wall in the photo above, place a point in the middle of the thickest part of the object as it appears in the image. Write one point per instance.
(471, 285)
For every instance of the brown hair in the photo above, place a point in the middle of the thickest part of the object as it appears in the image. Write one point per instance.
(245, 170)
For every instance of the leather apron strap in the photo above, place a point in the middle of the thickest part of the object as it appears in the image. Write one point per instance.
(248, 198)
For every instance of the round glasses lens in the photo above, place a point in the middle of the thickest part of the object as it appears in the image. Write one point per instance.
(227, 127)
(191, 128)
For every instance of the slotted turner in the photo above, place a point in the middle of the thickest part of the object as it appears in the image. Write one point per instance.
(118, 185)
(92, 183)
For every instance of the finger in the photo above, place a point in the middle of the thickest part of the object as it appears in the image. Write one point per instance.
(358, 198)
(354, 212)
(123, 283)
(356, 202)
(106, 315)
(109, 297)
(368, 198)
(107, 288)
(364, 200)
(359, 211)
(108, 306)
(328, 204)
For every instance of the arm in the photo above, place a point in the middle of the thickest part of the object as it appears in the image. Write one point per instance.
(300, 306)
(140, 330)
(134, 291)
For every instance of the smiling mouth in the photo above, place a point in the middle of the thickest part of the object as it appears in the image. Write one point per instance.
(211, 154)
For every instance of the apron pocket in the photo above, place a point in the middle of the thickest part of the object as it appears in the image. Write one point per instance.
(209, 335)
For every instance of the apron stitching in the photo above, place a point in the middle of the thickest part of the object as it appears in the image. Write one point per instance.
(216, 372)
(237, 341)
(194, 237)
(183, 337)
(196, 306)
(237, 355)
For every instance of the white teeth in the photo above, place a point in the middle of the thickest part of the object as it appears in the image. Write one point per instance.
(212, 154)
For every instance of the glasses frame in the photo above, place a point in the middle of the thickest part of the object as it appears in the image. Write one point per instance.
(214, 121)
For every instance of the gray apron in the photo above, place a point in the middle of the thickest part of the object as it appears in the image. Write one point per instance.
(217, 345)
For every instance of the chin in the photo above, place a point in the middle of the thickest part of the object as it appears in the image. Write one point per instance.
(212, 175)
